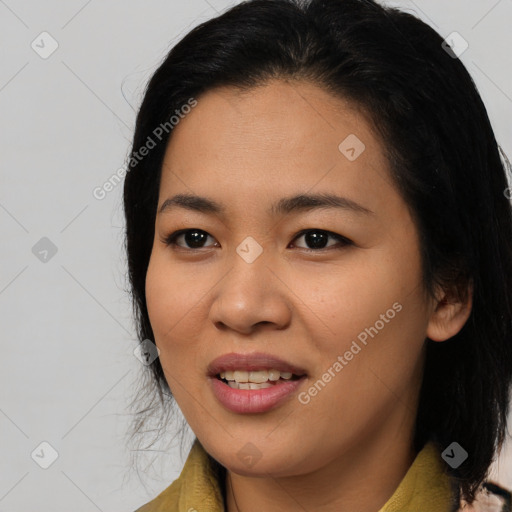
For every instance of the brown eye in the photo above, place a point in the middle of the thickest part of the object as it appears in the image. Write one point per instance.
(193, 238)
(318, 238)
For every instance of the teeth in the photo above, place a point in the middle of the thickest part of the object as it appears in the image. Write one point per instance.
(241, 376)
(254, 377)
(274, 375)
(248, 385)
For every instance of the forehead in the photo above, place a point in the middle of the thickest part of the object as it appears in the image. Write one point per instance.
(267, 139)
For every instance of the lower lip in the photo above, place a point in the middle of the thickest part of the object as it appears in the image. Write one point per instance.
(245, 401)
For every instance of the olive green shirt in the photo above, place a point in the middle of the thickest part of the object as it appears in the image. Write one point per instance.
(426, 487)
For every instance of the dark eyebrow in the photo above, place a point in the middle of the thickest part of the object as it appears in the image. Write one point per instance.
(286, 205)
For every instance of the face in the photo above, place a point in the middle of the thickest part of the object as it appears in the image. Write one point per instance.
(331, 290)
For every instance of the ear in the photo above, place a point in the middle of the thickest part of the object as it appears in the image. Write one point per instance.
(449, 315)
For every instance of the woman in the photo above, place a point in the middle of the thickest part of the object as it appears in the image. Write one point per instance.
(319, 241)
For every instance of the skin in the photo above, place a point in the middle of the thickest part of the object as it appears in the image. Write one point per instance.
(247, 150)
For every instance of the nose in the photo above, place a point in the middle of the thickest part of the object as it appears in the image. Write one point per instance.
(251, 295)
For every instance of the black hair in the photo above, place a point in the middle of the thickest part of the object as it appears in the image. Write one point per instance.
(445, 163)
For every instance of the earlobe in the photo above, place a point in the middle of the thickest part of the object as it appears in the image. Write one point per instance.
(449, 316)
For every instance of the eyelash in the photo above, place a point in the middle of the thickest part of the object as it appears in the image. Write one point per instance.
(170, 240)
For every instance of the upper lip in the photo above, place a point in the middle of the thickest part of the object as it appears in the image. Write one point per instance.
(251, 362)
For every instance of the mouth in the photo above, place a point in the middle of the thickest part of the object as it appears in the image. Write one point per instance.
(253, 383)
(257, 368)
(255, 391)
(259, 379)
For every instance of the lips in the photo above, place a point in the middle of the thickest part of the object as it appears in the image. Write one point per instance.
(254, 401)
(251, 362)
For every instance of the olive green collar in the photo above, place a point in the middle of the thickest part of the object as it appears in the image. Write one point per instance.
(426, 487)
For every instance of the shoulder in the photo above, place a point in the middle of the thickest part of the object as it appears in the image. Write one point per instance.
(166, 501)
(197, 487)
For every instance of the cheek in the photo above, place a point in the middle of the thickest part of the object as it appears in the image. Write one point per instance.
(160, 300)
(175, 302)
(378, 334)
(171, 295)
(375, 318)
(168, 308)
(346, 302)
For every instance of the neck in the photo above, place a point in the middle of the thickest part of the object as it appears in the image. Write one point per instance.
(363, 478)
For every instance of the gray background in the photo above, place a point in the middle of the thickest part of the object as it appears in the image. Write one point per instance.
(68, 368)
